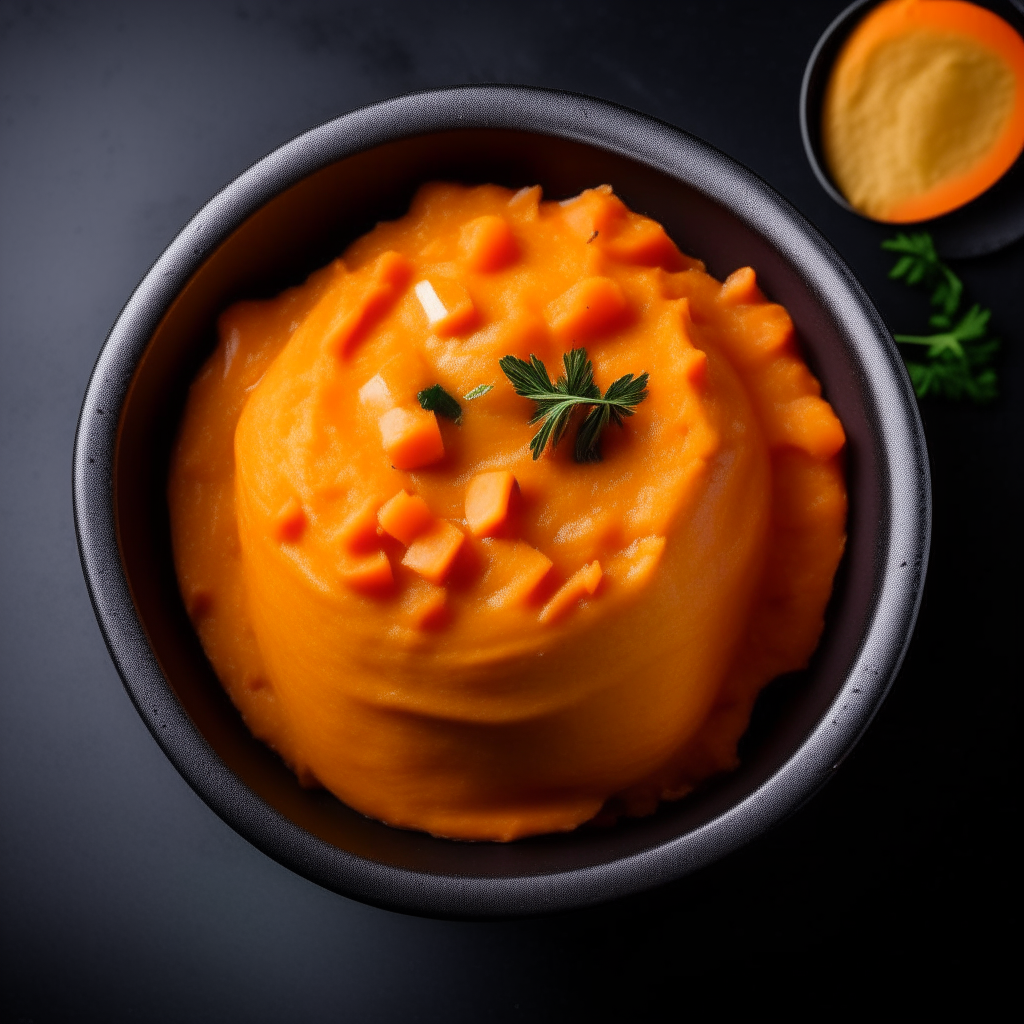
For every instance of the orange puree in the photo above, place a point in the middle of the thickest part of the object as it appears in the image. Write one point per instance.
(924, 108)
(448, 634)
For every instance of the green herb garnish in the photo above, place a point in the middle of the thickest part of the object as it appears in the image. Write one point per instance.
(575, 387)
(436, 399)
(959, 354)
(480, 389)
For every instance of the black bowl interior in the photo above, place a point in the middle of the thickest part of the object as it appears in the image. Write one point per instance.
(301, 227)
(990, 222)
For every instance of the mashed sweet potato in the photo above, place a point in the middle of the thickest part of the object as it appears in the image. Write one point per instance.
(448, 634)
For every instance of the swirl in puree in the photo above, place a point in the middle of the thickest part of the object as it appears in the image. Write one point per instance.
(447, 633)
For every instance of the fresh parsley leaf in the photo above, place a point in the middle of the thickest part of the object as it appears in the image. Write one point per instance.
(436, 399)
(478, 391)
(575, 387)
(920, 264)
(959, 353)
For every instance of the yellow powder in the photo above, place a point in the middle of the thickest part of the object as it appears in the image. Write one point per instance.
(920, 109)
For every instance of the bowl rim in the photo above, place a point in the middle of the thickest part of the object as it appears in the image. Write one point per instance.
(639, 138)
(844, 22)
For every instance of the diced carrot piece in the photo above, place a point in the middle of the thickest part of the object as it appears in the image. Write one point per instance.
(515, 572)
(644, 242)
(376, 395)
(411, 437)
(589, 307)
(388, 277)
(740, 288)
(391, 268)
(432, 553)
(447, 305)
(370, 575)
(358, 533)
(426, 605)
(487, 497)
(635, 566)
(290, 522)
(582, 583)
(404, 517)
(488, 243)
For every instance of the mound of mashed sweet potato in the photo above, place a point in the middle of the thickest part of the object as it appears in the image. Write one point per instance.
(453, 636)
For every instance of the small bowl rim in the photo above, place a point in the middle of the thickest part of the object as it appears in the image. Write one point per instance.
(693, 163)
(825, 40)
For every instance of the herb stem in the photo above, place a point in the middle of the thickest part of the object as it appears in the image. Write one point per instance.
(936, 342)
(575, 387)
(958, 361)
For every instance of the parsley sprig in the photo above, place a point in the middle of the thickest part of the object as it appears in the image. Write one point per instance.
(435, 399)
(959, 354)
(574, 387)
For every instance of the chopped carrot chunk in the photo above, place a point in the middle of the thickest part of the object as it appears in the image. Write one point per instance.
(376, 395)
(404, 517)
(411, 437)
(635, 566)
(370, 575)
(515, 572)
(589, 307)
(488, 243)
(432, 553)
(581, 584)
(387, 280)
(487, 497)
(290, 523)
(358, 533)
(447, 305)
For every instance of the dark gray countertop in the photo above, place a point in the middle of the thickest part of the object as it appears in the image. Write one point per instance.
(122, 897)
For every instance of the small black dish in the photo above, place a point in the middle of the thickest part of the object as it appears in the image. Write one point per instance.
(990, 222)
(295, 210)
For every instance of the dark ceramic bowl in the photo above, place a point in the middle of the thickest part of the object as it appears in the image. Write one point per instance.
(294, 211)
(990, 222)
